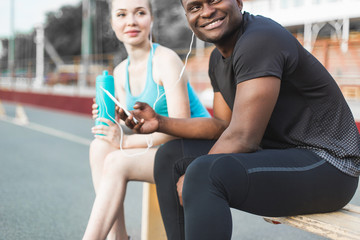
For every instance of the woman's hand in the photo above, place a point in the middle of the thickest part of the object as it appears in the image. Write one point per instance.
(110, 133)
(95, 110)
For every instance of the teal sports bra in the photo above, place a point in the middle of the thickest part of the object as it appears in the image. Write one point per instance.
(153, 90)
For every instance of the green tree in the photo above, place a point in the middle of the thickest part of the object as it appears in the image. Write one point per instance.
(63, 30)
(25, 51)
(171, 25)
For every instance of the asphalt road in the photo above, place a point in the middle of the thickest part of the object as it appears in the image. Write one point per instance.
(45, 182)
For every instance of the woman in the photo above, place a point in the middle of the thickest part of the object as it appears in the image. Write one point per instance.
(149, 72)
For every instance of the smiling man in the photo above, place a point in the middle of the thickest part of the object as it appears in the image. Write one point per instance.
(282, 140)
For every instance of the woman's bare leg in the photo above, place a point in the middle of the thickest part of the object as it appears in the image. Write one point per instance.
(99, 149)
(108, 205)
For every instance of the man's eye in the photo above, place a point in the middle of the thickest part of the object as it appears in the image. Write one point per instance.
(194, 8)
(215, 1)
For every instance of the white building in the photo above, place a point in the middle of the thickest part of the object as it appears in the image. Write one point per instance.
(310, 17)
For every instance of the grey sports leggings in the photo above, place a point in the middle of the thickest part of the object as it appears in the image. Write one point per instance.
(268, 183)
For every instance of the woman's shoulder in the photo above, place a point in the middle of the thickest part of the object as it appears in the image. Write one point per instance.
(120, 68)
(166, 62)
(165, 54)
(119, 72)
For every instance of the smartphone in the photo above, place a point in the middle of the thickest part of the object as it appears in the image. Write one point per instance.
(119, 104)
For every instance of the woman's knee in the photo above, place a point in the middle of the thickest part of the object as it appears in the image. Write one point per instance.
(99, 149)
(117, 165)
(94, 153)
(98, 144)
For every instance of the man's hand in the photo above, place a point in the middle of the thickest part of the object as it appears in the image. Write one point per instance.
(148, 119)
(121, 114)
(179, 186)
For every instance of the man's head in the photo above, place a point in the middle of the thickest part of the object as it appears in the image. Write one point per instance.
(213, 20)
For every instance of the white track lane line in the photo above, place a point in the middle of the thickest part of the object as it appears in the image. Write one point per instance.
(49, 131)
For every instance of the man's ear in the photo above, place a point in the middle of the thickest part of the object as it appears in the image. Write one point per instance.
(240, 4)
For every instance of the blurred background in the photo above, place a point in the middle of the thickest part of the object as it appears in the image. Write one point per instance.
(72, 42)
(50, 55)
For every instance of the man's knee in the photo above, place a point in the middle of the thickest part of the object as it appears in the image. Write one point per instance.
(198, 167)
(229, 178)
(222, 175)
(196, 177)
(165, 158)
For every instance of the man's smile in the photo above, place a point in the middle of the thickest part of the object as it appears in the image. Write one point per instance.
(213, 24)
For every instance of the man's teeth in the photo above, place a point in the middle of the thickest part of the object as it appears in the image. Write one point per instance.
(213, 23)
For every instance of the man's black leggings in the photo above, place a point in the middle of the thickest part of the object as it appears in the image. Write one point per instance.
(268, 183)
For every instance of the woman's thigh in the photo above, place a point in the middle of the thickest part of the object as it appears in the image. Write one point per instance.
(132, 164)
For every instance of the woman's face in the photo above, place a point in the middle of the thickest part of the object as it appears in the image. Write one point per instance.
(131, 20)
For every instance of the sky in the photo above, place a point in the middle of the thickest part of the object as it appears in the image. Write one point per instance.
(28, 13)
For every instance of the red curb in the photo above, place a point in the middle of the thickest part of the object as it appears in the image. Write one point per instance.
(73, 104)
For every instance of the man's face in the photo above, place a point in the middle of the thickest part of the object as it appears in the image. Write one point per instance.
(213, 20)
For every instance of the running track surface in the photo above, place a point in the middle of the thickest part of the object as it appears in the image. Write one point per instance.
(45, 182)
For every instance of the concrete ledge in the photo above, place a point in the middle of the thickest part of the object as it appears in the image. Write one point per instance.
(73, 104)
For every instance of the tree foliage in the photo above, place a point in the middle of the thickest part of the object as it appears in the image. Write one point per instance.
(63, 29)
(171, 24)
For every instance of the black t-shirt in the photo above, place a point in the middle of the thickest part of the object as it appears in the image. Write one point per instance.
(310, 112)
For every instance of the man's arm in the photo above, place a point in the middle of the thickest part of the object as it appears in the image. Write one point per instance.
(195, 128)
(254, 103)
